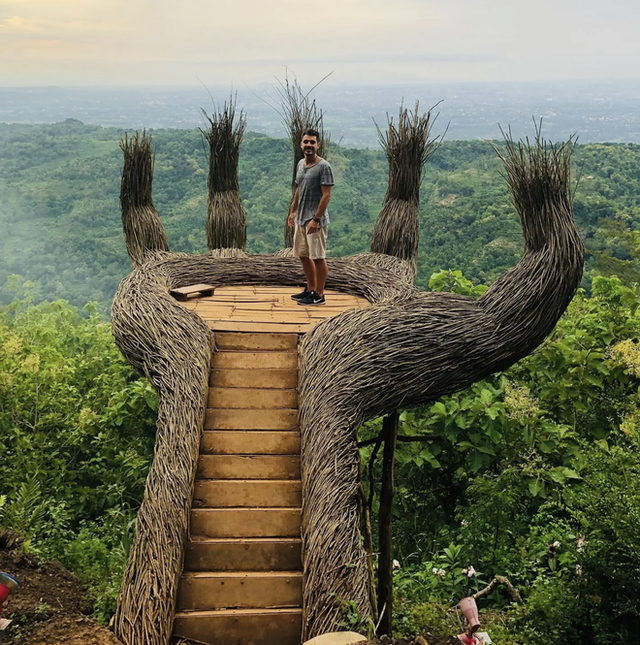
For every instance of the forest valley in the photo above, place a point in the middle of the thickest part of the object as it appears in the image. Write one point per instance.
(532, 474)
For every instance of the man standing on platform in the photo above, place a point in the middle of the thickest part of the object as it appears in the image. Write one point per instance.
(308, 213)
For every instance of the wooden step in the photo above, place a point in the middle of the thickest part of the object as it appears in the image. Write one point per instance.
(252, 398)
(267, 378)
(204, 591)
(251, 419)
(256, 342)
(260, 327)
(212, 493)
(251, 554)
(245, 522)
(255, 360)
(248, 467)
(240, 626)
(250, 442)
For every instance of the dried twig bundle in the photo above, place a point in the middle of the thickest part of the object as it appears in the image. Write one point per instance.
(143, 230)
(226, 217)
(408, 146)
(226, 221)
(538, 176)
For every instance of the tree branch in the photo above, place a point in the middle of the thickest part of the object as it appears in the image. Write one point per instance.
(499, 580)
(372, 461)
(405, 438)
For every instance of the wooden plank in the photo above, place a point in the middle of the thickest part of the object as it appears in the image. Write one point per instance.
(229, 493)
(262, 342)
(246, 522)
(240, 326)
(251, 554)
(251, 316)
(279, 289)
(252, 398)
(255, 360)
(205, 591)
(263, 378)
(216, 300)
(219, 313)
(208, 307)
(257, 318)
(287, 305)
(250, 442)
(275, 310)
(255, 306)
(249, 467)
(240, 626)
(239, 287)
(251, 420)
(334, 309)
(192, 291)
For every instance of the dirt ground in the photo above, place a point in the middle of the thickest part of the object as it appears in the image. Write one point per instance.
(426, 639)
(50, 606)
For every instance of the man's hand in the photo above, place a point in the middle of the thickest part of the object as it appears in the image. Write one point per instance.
(312, 227)
(291, 220)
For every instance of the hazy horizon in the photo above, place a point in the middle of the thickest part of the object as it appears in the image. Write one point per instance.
(597, 111)
(270, 83)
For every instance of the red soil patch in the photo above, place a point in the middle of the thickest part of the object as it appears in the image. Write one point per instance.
(50, 606)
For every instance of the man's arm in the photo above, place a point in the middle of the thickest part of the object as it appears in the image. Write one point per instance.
(293, 209)
(322, 207)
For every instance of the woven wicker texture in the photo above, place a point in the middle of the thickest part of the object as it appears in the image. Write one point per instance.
(408, 145)
(226, 218)
(408, 349)
(143, 230)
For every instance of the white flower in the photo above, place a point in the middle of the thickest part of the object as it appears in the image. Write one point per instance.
(556, 544)
(438, 572)
(469, 572)
(396, 565)
(465, 522)
(578, 570)
(580, 543)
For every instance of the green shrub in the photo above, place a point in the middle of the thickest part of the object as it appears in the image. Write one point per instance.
(77, 431)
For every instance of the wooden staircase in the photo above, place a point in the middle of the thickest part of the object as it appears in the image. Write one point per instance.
(242, 578)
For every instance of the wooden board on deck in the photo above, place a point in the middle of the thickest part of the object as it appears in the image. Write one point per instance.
(266, 309)
(193, 291)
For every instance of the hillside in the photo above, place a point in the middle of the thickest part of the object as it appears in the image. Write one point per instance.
(59, 187)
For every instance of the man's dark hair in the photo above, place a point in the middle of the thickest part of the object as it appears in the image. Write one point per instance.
(310, 132)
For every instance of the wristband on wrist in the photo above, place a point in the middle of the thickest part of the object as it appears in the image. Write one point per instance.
(317, 221)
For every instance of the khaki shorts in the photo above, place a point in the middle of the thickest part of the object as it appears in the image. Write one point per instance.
(310, 245)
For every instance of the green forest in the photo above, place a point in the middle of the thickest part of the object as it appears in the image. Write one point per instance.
(532, 474)
(59, 208)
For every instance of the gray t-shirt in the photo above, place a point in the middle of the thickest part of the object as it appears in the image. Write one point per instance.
(309, 182)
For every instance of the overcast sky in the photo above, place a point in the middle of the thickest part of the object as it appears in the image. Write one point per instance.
(168, 42)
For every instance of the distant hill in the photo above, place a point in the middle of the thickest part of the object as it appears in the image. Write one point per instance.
(594, 110)
(59, 210)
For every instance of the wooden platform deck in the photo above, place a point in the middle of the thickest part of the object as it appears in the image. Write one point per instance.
(242, 577)
(267, 309)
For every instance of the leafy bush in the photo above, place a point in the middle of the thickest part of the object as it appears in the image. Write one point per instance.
(532, 474)
(77, 428)
(608, 510)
